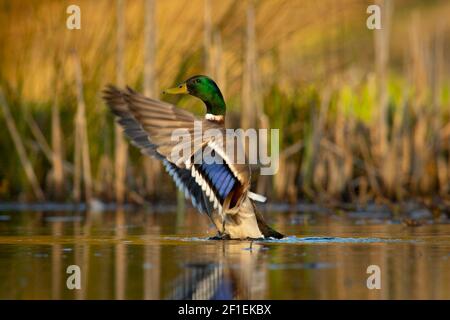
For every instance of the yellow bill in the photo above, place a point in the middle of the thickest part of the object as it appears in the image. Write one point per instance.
(182, 88)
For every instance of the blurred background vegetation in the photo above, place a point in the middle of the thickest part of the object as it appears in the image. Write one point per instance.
(364, 114)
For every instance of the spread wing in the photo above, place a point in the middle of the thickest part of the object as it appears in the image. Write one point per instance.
(115, 99)
(150, 125)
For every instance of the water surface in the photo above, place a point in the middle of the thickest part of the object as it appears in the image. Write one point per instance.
(145, 255)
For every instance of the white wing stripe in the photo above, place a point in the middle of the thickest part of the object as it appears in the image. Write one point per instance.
(209, 192)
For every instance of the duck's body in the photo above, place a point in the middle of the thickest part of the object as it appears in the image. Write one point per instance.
(220, 188)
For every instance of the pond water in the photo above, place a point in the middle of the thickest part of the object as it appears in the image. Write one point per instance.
(145, 255)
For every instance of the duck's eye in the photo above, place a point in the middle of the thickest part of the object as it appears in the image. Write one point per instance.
(180, 86)
(198, 80)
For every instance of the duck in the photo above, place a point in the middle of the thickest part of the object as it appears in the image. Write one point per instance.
(220, 188)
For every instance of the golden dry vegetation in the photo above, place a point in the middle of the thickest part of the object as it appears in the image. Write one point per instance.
(363, 114)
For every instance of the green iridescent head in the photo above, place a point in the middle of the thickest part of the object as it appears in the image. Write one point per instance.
(206, 90)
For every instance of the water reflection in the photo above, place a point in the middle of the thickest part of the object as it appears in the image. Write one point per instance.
(236, 271)
(129, 255)
(120, 256)
(152, 262)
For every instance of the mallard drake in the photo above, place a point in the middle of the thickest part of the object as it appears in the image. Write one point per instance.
(220, 189)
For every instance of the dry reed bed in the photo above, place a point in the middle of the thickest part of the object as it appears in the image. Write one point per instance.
(364, 115)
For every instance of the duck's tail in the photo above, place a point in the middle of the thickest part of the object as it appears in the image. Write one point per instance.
(265, 229)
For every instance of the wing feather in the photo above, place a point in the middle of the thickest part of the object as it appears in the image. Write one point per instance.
(140, 138)
(149, 124)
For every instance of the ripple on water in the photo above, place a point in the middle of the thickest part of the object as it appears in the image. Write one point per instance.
(311, 240)
(294, 239)
(64, 219)
(305, 265)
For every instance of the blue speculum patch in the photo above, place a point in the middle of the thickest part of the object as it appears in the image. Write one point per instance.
(220, 177)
